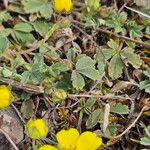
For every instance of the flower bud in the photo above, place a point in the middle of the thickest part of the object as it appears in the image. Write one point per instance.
(37, 129)
(94, 4)
(59, 95)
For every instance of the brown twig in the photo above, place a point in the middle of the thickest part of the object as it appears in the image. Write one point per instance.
(132, 124)
(107, 96)
(9, 139)
(27, 87)
(18, 114)
(88, 36)
(123, 6)
(140, 43)
(27, 51)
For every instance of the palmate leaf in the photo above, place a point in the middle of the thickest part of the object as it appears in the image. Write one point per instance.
(21, 33)
(134, 29)
(132, 58)
(22, 37)
(117, 21)
(38, 6)
(42, 27)
(86, 66)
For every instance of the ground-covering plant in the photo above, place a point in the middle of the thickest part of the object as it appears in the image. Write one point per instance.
(77, 72)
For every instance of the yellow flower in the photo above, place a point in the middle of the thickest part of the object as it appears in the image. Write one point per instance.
(71, 140)
(88, 141)
(47, 147)
(63, 5)
(37, 129)
(5, 96)
(67, 139)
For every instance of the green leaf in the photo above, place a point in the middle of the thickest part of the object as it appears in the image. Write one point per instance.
(57, 68)
(145, 85)
(105, 54)
(46, 10)
(132, 58)
(100, 58)
(36, 77)
(134, 29)
(71, 54)
(22, 37)
(35, 6)
(42, 27)
(4, 16)
(32, 6)
(5, 32)
(89, 103)
(49, 52)
(147, 31)
(23, 27)
(77, 80)
(117, 21)
(119, 108)
(85, 62)
(25, 76)
(123, 17)
(6, 72)
(94, 118)
(86, 66)
(111, 130)
(18, 61)
(147, 73)
(145, 141)
(38, 60)
(147, 131)
(65, 82)
(113, 45)
(115, 67)
(4, 44)
(90, 73)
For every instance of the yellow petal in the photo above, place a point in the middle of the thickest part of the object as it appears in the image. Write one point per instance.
(5, 96)
(47, 147)
(37, 129)
(67, 139)
(63, 5)
(88, 141)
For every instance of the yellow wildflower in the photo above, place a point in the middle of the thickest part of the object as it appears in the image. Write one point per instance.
(67, 139)
(71, 140)
(63, 5)
(37, 129)
(88, 141)
(47, 147)
(5, 96)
